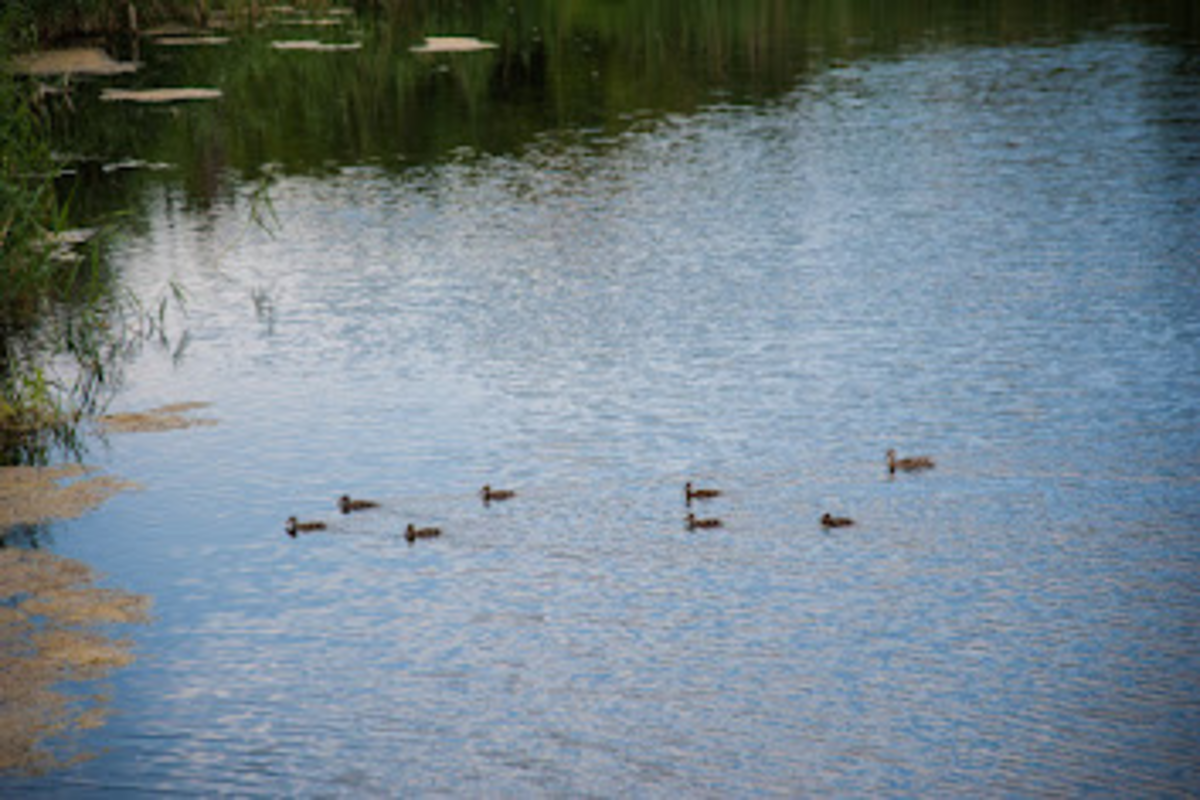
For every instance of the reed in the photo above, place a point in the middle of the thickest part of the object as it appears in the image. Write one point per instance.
(64, 328)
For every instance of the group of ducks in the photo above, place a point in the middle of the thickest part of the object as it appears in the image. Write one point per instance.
(909, 464)
(347, 505)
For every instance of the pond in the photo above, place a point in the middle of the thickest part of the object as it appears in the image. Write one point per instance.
(624, 250)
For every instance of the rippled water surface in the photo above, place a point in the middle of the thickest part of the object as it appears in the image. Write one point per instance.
(985, 254)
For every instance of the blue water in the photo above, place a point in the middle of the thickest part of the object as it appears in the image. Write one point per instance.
(987, 255)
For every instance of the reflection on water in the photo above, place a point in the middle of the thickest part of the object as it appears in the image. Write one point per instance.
(984, 253)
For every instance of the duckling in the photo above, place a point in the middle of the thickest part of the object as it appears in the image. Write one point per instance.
(347, 505)
(413, 533)
(691, 494)
(294, 526)
(830, 521)
(911, 464)
(694, 522)
(489, 494)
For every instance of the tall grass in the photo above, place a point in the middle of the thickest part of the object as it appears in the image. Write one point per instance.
(64, 327)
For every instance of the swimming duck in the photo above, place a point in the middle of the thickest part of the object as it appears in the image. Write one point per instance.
(294, 526)
(694, 522)
(413, 533)
(489, 494)
(347, 505)
(830, 521)
(691, 494)
(911, 464)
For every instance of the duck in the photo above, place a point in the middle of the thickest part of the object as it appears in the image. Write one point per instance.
(347, 505)
(412, 533)
(489, 494)
(691, 494)
(294, 526)
(911, 464)
(830, 521)
(694, 522)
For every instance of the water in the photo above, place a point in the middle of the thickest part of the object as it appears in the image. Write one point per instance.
(983, 253)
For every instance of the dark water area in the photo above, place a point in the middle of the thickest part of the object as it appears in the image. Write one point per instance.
(625, 250)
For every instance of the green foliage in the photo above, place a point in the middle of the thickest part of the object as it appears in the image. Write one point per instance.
(63, 327)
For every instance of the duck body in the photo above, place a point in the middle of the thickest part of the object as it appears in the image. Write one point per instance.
(495, 495)
(412, 533)
(910, 464)
(294, 526)
(830, 521)
(347, 505)
(694, 522)
(690, 493)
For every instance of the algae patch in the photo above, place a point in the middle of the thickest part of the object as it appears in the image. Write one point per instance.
(157, 420)
(54, 629)
(31, 495)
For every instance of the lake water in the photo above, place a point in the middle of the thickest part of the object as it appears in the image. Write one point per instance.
(986, 253)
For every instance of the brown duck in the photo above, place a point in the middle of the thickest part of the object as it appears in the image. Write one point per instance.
(911, 464)
(495, 495)
(694, 522)
(412, 533)
(347, 505)
(690, 493)
(294, 526)
(830, 521)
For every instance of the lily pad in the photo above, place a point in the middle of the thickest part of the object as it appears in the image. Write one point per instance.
(71, 61)
(311, 46)
(159, 95)
(191, 41)
(453, 44)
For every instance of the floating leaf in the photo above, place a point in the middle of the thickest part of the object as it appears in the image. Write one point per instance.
(159, 95)
(312, 46)
(191, 41)
(72, 61)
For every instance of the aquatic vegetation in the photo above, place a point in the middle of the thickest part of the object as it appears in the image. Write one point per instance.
(453, 44)
(175, 95)
(156, 420)
(71, 61)
(34, 495)
(55, 622)
(313, 46)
